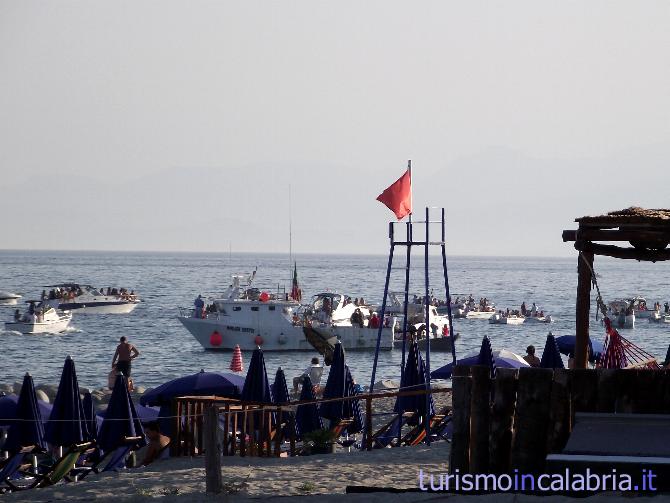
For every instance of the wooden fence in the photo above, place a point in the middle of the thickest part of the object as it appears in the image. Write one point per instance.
(516, 419)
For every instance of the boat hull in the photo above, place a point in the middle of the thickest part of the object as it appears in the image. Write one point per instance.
(52, 327)
(285, 337)
(121, 307)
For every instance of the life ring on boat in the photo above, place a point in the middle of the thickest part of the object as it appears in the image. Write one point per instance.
(258, 340)
(215, 339)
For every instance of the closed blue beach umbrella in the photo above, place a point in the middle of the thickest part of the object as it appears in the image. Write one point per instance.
(29, 430)
(486, 357)
(121, 419)
(280, 396)
(67, 424)
(91, 416)
(307, 416)
(340, 384)
(414, 378)
(200, 384)
(335, 387)
(551, 357)
(256, 386)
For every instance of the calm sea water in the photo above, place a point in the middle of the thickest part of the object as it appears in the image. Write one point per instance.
(166, 281)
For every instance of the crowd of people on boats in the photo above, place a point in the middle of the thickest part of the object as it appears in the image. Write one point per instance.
(71, 292)
(34, 314)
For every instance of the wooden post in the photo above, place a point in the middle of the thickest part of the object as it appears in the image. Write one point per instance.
(279, 432)
(368, 422)
(531, 420)
(213, 479)
(502, 413)
(460, 443)
(200, 425)
(583, 308)
(291, 432)
(175, 443)
(226, 430)
(243, 430)
(480, 415)
(252, 432)
(559, 411)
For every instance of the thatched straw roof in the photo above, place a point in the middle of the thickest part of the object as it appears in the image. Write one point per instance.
(633, 215)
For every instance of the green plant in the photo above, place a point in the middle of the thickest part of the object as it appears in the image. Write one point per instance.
(320, 438)
(307, 487)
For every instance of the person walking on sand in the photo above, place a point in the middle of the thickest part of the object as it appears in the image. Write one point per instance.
(125, 353)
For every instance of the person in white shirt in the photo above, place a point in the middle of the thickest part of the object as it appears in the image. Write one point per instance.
(314, 371)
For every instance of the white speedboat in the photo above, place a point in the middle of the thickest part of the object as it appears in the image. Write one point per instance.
(480, 315)
(39, 318)
(248, 317)
(88, 300)
(502, 319)
(637, 304)
(8, 298)
(538, 319)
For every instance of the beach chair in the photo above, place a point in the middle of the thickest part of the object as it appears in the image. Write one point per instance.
(438, 424)
(12, 466)
(54, 473)
(113, 461)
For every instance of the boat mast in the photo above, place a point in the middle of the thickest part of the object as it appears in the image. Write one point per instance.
(290, 234)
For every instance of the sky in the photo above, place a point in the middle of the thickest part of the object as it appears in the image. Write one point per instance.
(183, 125)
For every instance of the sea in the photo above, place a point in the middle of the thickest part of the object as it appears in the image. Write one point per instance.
(167, 281)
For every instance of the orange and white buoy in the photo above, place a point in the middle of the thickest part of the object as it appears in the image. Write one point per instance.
(236, 362)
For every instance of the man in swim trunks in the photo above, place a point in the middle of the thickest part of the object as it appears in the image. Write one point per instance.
(125, 353)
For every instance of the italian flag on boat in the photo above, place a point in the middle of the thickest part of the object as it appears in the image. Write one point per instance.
(296, 292)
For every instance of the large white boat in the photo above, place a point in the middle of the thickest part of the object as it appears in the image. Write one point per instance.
(39, 318)
(88, 300)
(248, 317)
(8, 298)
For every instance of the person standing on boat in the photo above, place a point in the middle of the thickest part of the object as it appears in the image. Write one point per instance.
(125, 353)
(523, 308)
(199, 306)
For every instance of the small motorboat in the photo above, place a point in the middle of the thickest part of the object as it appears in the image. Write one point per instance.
(8, 298)
(502, 319)
(539, 319)
(39, 318)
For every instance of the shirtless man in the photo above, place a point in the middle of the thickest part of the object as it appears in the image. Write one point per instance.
(157, 443)
(125, 353)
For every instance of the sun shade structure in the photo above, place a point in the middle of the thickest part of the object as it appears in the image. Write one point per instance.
(200, 384)
(646, 230)
(67, 424)
(121, 419)
(29, 430)
(551, 356)
(307, 416)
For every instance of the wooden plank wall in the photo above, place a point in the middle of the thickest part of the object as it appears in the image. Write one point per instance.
(515, 420)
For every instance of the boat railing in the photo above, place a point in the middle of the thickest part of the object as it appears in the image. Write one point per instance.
(189, 312)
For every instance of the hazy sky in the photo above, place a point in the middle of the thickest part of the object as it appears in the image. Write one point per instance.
(179, 125)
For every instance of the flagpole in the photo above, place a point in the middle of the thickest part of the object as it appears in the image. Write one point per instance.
(409, 170)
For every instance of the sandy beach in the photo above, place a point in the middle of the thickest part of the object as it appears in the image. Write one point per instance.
(307, 479)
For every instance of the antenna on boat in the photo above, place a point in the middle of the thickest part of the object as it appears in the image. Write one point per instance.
(290, 233)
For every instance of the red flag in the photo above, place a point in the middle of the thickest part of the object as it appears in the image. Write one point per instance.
(398, 197)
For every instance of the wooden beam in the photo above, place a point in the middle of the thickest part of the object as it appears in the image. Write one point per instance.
(583, 307)
(653, 236)
(623, 253)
